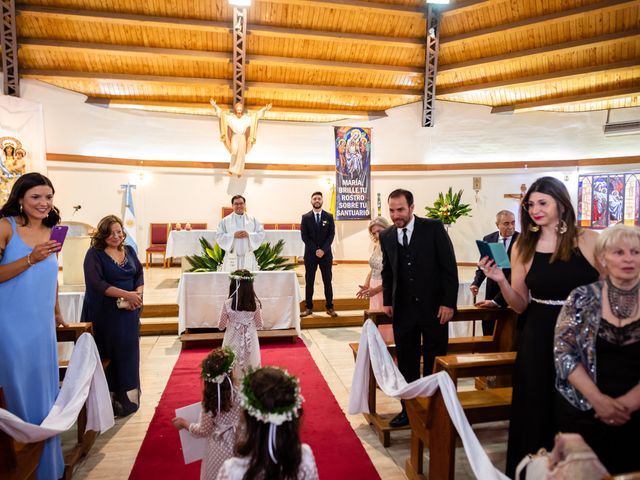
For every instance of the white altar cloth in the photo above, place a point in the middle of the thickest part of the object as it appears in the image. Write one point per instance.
(373, 351)
(201, 295)
(71, 306)
(183, 242)
(83, 382)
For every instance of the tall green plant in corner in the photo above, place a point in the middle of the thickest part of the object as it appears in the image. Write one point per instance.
(448, 208)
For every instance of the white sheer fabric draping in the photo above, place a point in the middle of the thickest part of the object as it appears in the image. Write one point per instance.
(83, 383)
(372, 350)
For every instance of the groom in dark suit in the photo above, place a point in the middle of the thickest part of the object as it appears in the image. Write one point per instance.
(507, 235)
(419, 287)
(317, 229)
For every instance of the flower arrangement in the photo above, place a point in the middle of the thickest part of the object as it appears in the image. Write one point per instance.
(448, 207)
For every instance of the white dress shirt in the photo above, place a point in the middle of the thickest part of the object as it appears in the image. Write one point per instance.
(409, 228)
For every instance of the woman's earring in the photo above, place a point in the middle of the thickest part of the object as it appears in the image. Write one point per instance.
(562, 227)
(534, 228)
(20, 208)
(604, 264)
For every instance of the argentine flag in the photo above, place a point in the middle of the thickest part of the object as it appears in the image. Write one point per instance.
(129, 217)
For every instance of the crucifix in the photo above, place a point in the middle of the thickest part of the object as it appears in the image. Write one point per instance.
(517, 196)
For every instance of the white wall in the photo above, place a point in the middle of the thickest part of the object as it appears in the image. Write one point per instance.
(464, 133)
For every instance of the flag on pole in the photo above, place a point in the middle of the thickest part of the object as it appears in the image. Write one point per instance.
(129, 216)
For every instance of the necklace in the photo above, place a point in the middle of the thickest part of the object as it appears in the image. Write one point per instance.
(623, 303)
(121, 263)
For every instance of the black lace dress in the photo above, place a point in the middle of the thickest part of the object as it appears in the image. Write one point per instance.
(532, 424)
(617, 372)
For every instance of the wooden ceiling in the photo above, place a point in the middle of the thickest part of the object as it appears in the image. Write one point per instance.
(326, 60)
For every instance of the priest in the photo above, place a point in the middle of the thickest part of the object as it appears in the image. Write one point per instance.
(239, 235)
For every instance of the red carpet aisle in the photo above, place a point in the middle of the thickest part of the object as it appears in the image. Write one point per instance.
(338, 451)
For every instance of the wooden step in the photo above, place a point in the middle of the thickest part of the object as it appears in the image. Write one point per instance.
(345, 318)
(215, 336)
(159, 326)
(338, 304)
(155, 310)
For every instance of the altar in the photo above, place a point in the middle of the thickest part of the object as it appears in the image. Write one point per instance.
(187, 242)
(201, 295)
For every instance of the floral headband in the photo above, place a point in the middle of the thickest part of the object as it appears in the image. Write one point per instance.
(224, 371)
(240, 275)
(275, 416)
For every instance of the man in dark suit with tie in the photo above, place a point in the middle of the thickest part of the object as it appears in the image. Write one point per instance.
(507, 235)
(317, 229)
(419, 287)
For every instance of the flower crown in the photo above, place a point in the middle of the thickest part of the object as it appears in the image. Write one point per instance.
(242, 275)
(275, 416)
(225, 369)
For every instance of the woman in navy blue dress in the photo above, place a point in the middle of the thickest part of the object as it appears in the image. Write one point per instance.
(114, 279)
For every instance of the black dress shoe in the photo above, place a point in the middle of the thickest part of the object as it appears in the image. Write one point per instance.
(400, 420)
(306, 313)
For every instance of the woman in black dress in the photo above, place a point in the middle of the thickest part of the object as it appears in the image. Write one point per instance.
(597, 355)
(114, 279)
(550, 258)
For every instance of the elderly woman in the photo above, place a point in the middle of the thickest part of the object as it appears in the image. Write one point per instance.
(597, 354)
(114, 280)
(372, 288)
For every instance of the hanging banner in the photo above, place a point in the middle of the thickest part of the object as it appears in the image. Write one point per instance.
(353, 173)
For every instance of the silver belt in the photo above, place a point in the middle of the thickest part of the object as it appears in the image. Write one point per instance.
(558, 303)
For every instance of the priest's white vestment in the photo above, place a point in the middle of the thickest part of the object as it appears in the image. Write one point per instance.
(239, 251)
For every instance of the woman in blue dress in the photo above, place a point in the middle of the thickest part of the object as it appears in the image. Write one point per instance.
(114, 279)
(29, 309)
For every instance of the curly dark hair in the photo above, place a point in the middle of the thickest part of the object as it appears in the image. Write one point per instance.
(99, 239)
(213, 364)
(245, 300)
(25, 183)
(274, 390)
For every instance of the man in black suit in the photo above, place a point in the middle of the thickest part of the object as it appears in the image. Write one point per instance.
(317, 229)
(419, 287)
(507, 235)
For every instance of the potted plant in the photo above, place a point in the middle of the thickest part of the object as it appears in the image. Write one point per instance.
(448, 208)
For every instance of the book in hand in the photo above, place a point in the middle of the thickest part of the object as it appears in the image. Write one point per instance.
(495, 251)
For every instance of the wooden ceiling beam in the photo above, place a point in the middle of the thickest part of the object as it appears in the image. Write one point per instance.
(206, 56)
(45, 75)
(568, 100)
(206, 107)
(125, 19)
(538, 22)
(384, 8)
(545, 77)
(333, 88)
(574, 46)
(465, 6)
(216, 27)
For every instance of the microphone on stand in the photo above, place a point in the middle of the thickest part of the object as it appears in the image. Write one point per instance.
(76, 208)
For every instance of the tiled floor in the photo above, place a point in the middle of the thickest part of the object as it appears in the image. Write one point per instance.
(114, 453)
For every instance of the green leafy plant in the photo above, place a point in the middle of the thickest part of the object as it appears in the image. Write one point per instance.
(269, 258)
(448, 207)
(211, 259)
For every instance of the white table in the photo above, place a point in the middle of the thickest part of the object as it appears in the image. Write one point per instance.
(71, 309)
(201, 295)
(183, 242)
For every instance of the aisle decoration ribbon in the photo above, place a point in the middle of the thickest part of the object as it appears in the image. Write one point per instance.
(372, 350)
(84, 382)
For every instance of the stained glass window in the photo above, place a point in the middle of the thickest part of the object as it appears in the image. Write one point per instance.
(607, 199)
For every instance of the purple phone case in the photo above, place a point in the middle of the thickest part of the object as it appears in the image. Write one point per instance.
(59, 233)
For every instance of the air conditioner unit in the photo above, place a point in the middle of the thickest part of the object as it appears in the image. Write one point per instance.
(622, 128)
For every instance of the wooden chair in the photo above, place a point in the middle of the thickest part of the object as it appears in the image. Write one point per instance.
(431, 425)
(158, 236)
(17, 461)
(500, 341)
(226, 211)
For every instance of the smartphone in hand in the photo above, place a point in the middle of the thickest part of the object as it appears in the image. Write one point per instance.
(59, 233)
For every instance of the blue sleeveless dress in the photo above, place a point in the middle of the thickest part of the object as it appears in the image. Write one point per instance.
(28, 349)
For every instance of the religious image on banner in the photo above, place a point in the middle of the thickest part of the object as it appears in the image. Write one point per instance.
(607, 199)
(12, 165)
(353, 173)
(129, 216)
